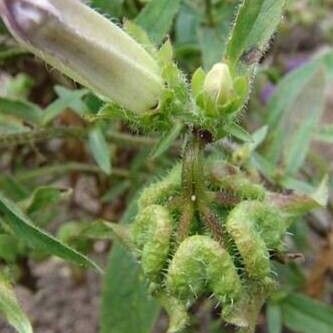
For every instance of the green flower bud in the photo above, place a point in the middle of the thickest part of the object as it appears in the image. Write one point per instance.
(218, 84)
(88, 48)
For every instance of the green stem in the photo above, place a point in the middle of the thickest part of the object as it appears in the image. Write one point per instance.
(65, 168)
(11, 53)
(195, 195)
(8, 140)
(188, 190)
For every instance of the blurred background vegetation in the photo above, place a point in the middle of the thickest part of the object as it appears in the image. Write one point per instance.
(65, 173)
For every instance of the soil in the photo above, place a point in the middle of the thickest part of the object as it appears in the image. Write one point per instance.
(62, 304)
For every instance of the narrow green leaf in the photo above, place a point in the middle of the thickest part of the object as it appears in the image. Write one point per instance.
(274, 318)
(36, 238)
(112, 7)
(297, 185)
(239, 132)
(29, 112)
(305, 315)
(213, 38)
(325, 134)
(212, 44)
(165, 143)
(13, 188)
(68, 99)
(326, 59)
(9, 248)
(18, 87)
(311, 103)
(126, 306)
(197, 82)
(321, 194)
(115, 191)
(42, 197)
(255, 23)
(258, 138)
(100, 149)
(186, 25)
(264, 166)
(294, 113)
(10, 308)
(157, 17)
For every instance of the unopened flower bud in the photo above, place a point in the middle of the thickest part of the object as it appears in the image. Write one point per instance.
(87, 47)
(218, 84)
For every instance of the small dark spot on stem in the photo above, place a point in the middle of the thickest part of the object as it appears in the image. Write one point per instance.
(204, 135)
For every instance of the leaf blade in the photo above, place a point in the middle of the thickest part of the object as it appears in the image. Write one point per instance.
(157, 17)
(10, 308)
(255, 23)
(100, 149)
(27, 231)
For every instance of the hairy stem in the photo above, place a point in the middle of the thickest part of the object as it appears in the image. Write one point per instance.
(64, 168)
(195, 195)
(8, 140)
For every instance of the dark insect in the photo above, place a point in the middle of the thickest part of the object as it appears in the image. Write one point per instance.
(251, 56)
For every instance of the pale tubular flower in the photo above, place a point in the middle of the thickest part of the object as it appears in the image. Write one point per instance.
(88, 48)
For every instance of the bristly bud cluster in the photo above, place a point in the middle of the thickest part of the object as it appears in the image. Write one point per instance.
(234, 266)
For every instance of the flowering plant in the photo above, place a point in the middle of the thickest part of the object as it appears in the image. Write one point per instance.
(215, 224)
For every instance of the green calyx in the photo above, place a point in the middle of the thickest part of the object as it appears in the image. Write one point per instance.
(151, 234)
(199, 263)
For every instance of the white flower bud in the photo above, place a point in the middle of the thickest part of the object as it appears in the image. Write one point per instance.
(218, 84)
(87, 47)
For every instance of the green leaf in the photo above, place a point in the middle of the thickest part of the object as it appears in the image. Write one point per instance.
(274, 318)
(187, 22)
(36, 238)
(9, 248)
(239, 132)
(100, 149)
(197, 82)
(294, 114)
(165, 143)
(29, 112)
(10, 53)
(212, 44)
(43, 197)
(325, 134)
(157, 17)
(258, 138)
(326, 59)
(321, 194)
(213, 38)
(68, 99)
(305, 315)
(116, 191)
(10, 308)
(112, 7)
(13, 188)
(264, 166)
(126, 306)
(18, 87)
(255, 23)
